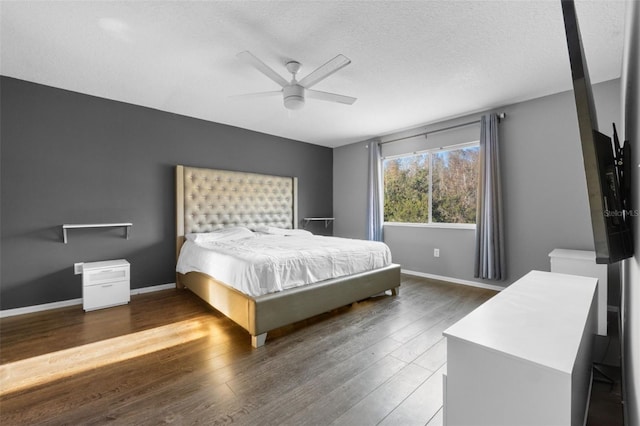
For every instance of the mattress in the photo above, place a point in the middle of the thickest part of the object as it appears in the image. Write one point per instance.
(257, 263)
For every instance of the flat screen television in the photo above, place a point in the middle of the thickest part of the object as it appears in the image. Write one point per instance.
(606, 164)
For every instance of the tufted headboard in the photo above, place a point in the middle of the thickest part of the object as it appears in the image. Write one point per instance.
(209, 199)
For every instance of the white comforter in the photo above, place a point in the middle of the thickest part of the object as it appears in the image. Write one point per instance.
(263, 264)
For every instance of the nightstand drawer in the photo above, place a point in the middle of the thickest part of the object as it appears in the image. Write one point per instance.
(103, 276)
(105, 295)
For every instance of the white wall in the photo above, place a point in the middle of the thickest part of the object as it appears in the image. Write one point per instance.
(545, 195)
(631, 282)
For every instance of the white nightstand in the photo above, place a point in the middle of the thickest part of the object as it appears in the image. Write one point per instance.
(105, 284)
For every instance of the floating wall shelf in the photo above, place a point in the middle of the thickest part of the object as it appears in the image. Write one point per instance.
(327, 220)
(127, 226)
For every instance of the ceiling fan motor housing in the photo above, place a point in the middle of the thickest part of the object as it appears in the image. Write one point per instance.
(293, 96)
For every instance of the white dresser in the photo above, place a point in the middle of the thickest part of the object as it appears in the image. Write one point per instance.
(524, 357)
(583, 263)
(105, 284)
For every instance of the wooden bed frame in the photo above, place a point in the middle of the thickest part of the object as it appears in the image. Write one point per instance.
(208, 199)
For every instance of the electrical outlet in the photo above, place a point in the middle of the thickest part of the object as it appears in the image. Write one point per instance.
(77, 268)
(436, 252)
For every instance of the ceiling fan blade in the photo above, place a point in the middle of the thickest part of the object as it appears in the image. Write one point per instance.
(325, 71)
(262, 67)
(331, 97)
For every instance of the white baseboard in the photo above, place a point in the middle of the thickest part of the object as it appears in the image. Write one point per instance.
(453, 280)
(64, 303)
(39, 308)
(153, 288)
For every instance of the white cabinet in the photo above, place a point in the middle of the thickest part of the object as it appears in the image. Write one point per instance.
(583, 263)
(524, 357)
(105, 284)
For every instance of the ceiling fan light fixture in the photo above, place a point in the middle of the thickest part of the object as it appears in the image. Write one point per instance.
(293, 96)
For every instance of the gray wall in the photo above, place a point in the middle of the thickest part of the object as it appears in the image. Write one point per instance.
(545, 194)
(350, 164)
(631, 286)
(73, 158)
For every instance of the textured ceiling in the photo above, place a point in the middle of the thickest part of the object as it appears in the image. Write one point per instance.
(413, 63)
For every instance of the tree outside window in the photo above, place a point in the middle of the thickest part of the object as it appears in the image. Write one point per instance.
(437, 186)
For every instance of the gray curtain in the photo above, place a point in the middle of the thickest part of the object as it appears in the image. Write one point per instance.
(374, 194)
(490, 254)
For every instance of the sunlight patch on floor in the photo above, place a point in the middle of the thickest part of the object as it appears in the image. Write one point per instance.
(38, 370)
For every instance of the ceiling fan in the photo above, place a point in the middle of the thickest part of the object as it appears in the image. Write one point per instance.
(294, 91)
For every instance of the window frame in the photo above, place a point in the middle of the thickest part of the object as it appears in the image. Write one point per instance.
(430, 153)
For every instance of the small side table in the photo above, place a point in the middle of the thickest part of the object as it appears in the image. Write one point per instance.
(105, 284)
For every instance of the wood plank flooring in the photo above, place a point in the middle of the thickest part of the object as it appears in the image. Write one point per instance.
(168, 358)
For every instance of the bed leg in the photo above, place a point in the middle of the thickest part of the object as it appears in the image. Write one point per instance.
(257, 341)
(395, 291)
(179, 284)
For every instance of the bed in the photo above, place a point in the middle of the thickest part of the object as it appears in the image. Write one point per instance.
(208, 200)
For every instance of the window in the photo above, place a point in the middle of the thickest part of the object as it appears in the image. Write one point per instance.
(435, 186)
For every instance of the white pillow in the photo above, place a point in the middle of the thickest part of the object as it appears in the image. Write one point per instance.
(281, 231)
(226, 234)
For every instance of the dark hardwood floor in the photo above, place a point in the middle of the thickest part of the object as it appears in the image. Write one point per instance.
(167, 358)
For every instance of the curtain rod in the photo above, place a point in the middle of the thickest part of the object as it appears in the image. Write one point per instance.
(501, 116)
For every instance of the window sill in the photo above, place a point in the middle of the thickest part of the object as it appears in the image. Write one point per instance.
(471, 226)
